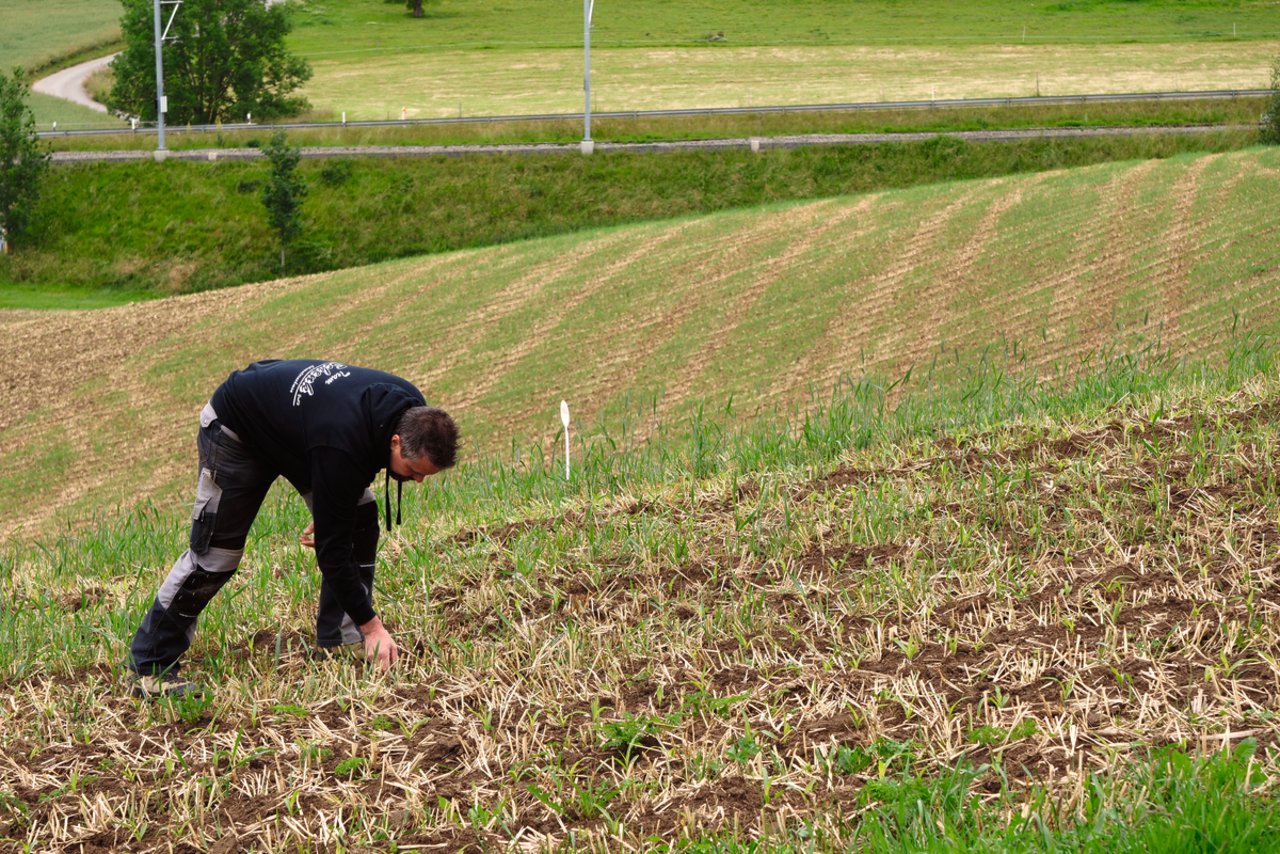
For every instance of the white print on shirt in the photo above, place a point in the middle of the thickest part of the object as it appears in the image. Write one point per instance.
(304, 383)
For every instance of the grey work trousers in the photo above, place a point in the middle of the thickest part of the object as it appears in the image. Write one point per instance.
(232, 485)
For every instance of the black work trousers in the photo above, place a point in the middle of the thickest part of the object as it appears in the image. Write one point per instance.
(232, 485)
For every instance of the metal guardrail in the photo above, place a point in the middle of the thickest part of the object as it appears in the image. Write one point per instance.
(753, 143)
(149, 128)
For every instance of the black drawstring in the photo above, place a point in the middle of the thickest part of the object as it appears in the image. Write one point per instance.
(386, 499)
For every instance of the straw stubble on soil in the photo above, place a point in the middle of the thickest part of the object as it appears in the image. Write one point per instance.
(1038, 603)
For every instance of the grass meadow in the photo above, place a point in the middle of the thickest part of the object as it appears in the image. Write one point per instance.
(38, 36)
(42, 37)
(477, 83)
(355, 27)
(372, 60)
(527, 58)
(986, 613)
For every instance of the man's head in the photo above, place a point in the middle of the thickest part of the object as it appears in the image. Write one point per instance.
(425, 442)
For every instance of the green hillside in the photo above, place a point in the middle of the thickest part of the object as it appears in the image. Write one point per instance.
(755, 307)
(997, 617)
(934, 519)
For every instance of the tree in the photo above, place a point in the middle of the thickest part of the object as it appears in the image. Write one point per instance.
(1271, 114)
(284, 191)
(23, 161)
(414, 6)
(223, 59)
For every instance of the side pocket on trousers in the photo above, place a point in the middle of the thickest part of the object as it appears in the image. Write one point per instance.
(205, 512)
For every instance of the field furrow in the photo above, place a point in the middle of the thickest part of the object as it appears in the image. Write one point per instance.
(538, 332)
(856, 331)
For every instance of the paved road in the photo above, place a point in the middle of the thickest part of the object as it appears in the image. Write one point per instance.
(68, 83)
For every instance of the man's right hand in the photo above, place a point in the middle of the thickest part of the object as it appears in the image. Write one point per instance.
(379, 645)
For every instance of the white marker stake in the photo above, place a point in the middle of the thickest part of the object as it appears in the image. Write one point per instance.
(564, 419)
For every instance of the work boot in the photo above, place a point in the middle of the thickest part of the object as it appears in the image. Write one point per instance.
(167, 685)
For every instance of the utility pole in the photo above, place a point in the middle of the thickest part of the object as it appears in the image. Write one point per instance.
(588, 6)
(161, 35)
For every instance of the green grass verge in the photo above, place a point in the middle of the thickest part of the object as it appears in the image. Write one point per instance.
(122, 225)
(69, 116)
(44, 297)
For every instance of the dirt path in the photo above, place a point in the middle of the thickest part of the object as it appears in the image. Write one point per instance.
(69, 83)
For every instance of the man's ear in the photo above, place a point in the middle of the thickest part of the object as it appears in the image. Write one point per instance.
(395, 441)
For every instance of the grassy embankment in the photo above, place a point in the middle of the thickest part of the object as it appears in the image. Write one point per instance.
(124, 231)
(1226, 112)
(1000, 616)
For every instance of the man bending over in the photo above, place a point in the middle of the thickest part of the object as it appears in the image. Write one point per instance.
(328, 428)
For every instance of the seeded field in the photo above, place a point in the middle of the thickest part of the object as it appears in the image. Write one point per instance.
(758, 307)
(471, 83)
(1006, 638)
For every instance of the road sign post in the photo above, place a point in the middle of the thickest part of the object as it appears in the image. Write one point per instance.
(162, 33)
(588, 7)
(160, 101)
